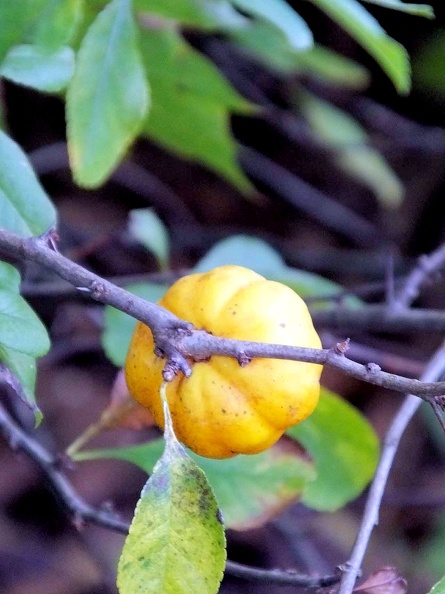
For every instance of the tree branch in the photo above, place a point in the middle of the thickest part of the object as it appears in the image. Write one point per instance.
(179, 343)
(371, 515)
(81, 512)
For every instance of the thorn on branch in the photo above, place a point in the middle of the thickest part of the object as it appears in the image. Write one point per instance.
(50, 239)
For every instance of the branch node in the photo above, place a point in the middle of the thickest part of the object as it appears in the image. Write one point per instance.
(243, 359)
(97, 290)
(341, 348)
(373, 368)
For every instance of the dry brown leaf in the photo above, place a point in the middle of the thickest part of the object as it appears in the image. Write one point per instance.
(386, 580)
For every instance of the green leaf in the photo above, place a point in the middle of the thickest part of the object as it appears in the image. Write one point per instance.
(256, 254)
(24, 368)
(119, 327)
(365, 29)
(58, 23)
(20, 328)
(438, 588)
(33, 67)
(147, 227)
(18, 212)
(15, 18)
(349, 142)
(176, 543)
(250, 489)
(253, 489)
(283, 17)
(108, 98)
(22, 335)
(273, 49)
(205, 14)
(344, 448)
(242, 250)
(190, 104)
(424, 10)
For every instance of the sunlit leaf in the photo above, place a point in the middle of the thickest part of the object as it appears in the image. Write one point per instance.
(424, 10)
(57, 23)
(205, 14)
(283, 17)
(108, 96)
(33, 67)
(344, 448)
(366, 30)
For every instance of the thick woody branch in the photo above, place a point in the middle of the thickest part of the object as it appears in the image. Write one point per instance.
(179, 343)
(81, 512)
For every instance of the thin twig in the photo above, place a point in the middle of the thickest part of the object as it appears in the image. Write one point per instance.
(81, 512)
(313, 202)
(178, 342)
(410, 405)
(420, 276)
(380, 318)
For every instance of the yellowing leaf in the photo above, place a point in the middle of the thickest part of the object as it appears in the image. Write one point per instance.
(176, 543)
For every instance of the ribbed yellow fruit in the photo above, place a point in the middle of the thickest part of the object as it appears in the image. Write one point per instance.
(224, 409)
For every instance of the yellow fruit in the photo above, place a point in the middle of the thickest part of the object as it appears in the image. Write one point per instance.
(224, 409)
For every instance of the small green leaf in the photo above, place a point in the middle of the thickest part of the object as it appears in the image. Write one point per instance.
(365, 29)
(205, 14)
(250, 489)
(147, 227)
(119, 327)
(20, 328)
(282, 16)
(256, 254)
(108, 98)
(57, 23)
(273, 49)
(15, 17)
(352, 150)
(18, 183)
(242, 250)
(424, 10)
(176, 543)
(22, 335)
(190, 104)
(34, 67)
(438, 588)
(344, 448)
